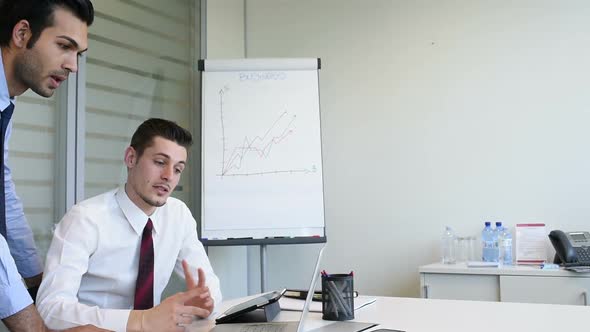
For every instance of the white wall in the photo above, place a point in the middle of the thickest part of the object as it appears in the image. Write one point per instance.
(435, 113)
(224, 28)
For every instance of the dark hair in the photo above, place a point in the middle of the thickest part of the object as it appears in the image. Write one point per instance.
(39, 14)
(144, 136)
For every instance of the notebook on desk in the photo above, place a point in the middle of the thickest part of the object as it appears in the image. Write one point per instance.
(298, 326)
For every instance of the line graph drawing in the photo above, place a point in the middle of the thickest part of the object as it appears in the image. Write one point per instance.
(261, 156)
(235, 159)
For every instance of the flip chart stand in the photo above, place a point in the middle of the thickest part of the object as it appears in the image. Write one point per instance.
(263, 243)
(263, 268)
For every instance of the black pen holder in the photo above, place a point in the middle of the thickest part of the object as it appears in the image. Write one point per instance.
(337, 297)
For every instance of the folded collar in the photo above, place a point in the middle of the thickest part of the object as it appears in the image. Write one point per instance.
(136, 217)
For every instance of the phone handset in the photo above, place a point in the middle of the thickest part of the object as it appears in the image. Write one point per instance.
(564, 251)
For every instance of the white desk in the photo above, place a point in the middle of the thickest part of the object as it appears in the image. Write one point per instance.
(426, 315)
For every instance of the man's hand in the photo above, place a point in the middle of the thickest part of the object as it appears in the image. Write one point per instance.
(28, 320)
(204, 300)
(172, 314)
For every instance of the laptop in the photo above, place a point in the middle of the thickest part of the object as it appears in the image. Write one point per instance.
(298, 326)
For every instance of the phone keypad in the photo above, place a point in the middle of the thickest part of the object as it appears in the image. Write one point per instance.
(583, 254)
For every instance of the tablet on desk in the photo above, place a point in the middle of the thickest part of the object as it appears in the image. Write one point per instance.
(250, 305)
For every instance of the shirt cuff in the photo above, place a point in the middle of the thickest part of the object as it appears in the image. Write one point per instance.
(13, 298)
(109, 319)
(117, 320)
(29, 267)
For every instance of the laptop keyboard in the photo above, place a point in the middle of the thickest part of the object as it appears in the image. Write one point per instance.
(264, 328)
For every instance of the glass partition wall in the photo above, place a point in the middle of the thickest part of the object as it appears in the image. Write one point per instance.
(138, 66)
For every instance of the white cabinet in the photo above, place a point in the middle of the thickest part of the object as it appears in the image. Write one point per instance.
(506, 284)
(460, 287)
(555, 290)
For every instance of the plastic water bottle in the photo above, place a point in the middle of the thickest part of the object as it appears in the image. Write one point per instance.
(448, 246)
(497, 241)
(499, 235)
(505, 246)
(488, 243)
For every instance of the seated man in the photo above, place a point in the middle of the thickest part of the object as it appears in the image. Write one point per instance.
(113, 254)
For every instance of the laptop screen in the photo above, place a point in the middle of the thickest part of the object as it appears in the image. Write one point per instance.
(314, 279)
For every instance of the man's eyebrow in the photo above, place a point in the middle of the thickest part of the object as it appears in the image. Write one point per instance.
(163, 155)
(168, 157)
(73, 42)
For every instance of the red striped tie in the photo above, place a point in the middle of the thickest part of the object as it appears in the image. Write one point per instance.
(144, 288)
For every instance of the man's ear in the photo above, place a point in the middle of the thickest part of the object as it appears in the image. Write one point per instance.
(130, 157)
(21, 33)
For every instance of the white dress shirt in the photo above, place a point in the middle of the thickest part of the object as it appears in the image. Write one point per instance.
(91, 266)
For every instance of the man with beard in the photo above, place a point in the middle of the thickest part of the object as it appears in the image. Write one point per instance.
(112, 255)
(39, 46)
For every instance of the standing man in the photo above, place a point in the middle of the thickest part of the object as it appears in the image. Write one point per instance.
(40, 41)
(112, 255)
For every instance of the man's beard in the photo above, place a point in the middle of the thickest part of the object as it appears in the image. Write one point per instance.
(28, 70)
(151, 202)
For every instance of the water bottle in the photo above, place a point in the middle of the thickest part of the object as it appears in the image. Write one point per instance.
(497, 242)
(448, 246)
(499, 234)
(487, 243)
(506, 246)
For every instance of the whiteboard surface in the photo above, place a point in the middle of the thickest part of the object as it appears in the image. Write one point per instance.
(261, 154)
